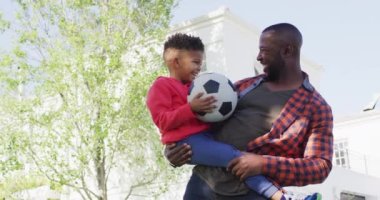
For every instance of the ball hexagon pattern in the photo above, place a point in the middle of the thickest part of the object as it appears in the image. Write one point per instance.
(219, 86)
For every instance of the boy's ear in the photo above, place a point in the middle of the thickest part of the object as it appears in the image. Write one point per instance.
(171, 58)
(175, 61)
(172, 63)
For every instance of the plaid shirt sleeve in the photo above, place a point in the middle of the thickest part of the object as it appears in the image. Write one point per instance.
(315, 164)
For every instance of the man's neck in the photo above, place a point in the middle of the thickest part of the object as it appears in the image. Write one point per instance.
(287, 81)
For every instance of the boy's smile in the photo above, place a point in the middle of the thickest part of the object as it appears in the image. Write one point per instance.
(188, 65)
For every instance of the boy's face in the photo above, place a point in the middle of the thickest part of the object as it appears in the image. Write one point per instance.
(188, 65)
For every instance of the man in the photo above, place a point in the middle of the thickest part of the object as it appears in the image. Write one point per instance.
(281, 121)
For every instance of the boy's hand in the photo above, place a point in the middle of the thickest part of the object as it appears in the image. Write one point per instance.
(202, 105)
(177, 155)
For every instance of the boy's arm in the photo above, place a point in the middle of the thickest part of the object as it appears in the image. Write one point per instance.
(159, 102)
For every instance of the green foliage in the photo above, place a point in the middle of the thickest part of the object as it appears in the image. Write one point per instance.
(18, 182)
(4, 25)
(9, 148)
(75, 86)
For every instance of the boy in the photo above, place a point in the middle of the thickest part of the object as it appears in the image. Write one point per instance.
(175, 117)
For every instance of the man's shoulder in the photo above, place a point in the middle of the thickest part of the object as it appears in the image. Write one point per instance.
(243, 83)
(248, 79)
(319, 103)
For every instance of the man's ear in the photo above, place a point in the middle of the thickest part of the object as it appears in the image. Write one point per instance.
(288, 50)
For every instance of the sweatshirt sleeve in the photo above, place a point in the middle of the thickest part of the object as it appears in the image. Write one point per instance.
(160, 104)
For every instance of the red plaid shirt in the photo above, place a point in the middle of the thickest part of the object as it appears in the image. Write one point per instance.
(299, 147)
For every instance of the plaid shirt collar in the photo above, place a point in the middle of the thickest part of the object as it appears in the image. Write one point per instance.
(261, 78)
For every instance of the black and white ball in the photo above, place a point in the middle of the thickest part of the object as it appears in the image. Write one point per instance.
(219, 86)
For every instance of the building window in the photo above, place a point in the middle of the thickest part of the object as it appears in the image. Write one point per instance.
(341, 153)
(350, 196)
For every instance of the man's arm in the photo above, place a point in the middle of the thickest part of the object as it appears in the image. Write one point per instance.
(316, 163)
(312, 168)
(284, 171)
(177, 155)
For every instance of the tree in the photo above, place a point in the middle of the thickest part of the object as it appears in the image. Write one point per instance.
(76, 82)
(3, 24)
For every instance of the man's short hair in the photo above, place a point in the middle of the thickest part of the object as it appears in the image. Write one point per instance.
(289, 30)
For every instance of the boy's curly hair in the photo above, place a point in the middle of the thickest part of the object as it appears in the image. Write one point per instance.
(183, 41)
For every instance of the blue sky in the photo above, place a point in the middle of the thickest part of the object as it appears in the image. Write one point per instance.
(341, 35)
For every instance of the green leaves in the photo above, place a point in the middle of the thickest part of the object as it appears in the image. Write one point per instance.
(80, 3)
(4, 25)
(30, 36)
(76, 84)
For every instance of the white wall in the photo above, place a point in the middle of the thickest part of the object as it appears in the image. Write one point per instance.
(232, 45)
(344, 180)
(241, 44)
(231, 49)
(363, 176)
(39, 193)
(363, 135)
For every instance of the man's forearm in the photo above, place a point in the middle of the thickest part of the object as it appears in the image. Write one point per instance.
(296, 171)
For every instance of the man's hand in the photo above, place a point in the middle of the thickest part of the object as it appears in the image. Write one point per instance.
(248, 164)
(177, 155)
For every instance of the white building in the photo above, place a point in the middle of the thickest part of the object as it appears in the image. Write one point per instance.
(357, 143)
(231, 45)
(356, 171)
(231, 49)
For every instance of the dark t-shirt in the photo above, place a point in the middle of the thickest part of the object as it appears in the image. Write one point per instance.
(253, 117)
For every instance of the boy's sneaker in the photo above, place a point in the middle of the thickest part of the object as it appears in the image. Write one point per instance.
(292, 196)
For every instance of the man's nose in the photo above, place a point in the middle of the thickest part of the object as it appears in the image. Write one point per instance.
(258, 57)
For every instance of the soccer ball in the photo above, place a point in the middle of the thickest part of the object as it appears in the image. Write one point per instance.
(219, 86)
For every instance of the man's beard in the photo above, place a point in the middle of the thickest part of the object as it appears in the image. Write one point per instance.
(274, 71)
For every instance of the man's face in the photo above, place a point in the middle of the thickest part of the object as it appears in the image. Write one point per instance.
(189, 65)
(269, 56)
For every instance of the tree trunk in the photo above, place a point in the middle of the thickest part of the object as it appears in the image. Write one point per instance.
(100, 170)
